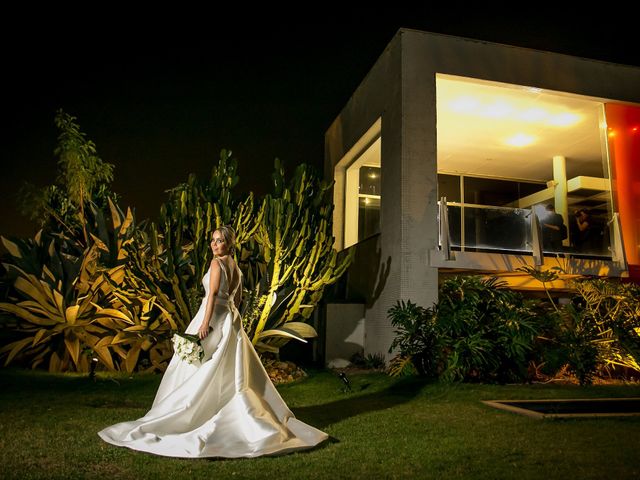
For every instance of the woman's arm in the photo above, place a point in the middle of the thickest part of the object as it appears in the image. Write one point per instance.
(214, 286)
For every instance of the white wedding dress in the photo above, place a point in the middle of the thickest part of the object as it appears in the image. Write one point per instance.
(225, 406)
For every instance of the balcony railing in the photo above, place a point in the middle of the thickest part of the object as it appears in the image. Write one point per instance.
(470, 227)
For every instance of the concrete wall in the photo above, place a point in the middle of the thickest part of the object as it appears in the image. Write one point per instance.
(379, 97)
(344, 333)
(400, 89)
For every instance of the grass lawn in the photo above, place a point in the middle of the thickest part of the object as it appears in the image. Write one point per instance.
(385, 428)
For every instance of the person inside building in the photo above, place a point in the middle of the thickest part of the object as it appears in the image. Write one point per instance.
(553, 230)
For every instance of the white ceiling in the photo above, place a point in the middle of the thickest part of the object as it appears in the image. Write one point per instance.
(475, 119)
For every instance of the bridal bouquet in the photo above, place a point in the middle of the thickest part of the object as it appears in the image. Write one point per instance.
(187, 347)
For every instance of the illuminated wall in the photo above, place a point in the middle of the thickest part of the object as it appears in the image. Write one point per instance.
(623, 123)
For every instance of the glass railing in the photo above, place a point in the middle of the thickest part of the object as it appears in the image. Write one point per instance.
(508, 230)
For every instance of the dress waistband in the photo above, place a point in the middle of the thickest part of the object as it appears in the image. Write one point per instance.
(225, 302)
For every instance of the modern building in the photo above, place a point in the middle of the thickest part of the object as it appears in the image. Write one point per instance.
(446, 160)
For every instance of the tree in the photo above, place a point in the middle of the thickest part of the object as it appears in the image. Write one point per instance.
(82, 178)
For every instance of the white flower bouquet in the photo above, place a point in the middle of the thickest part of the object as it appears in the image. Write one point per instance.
(187, 347)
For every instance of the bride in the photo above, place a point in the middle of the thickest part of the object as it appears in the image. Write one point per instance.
(225, 405)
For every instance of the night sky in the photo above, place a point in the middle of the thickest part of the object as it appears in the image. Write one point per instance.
(160, 95)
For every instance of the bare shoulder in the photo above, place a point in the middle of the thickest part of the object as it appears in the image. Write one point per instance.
(215, 265)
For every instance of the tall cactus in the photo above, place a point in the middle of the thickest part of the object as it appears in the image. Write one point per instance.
(171, 258)
(297, 249)
(195, 209)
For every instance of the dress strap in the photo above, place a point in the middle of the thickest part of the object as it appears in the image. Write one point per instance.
(221, 263)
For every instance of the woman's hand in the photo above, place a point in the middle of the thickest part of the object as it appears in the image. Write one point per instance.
(203, 331)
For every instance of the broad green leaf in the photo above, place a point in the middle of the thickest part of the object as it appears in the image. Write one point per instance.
(103, 342)
(38, 336)
(48, 273)
(99, 243)
(120, 337)
(58, 300)
(132, 358)
(73, 346)
(111, 312)
(115, 215)
(267, 348)
(55, 363)
(26, 315)
(104, 355)
(303, 329)
(33, 307)
(281, 332)
(34, 290)
(135, 328)
(72, 314)
(11, 247)
(15, 349)
(108, 322)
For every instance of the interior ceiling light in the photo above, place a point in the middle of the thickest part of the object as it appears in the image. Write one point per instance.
(497, 110)
(564, 119)
(532, 115)
(520, 140)
(504, 109)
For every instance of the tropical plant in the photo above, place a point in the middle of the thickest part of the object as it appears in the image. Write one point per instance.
(132, 285)
(579, 342)
(416, 340)
(487, 331)
(111, 231)
(604, 311)
(544, 276)
(159, 268)
(372, 361)
(613, 309)
(137, 324)
(478, 330)
(55, 329)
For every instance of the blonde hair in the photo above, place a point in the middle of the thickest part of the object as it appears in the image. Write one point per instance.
(229, 235)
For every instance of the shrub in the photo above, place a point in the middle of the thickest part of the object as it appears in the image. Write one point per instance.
(416, 340)
(479, 331)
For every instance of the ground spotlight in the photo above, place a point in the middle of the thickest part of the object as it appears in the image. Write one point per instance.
(92, 368)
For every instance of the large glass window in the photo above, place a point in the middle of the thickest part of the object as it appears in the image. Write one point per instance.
(363, 195)
(368, 202)
(507, 150)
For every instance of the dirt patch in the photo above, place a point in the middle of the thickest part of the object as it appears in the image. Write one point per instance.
(283, 372)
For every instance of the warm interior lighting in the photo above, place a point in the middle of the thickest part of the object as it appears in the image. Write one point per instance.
(373, 175)
(520, 140)
(532, 115)
(511, 109)
(464, 104)
(477, 120)
(366, 201)
(498, 109)
(564, 119)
